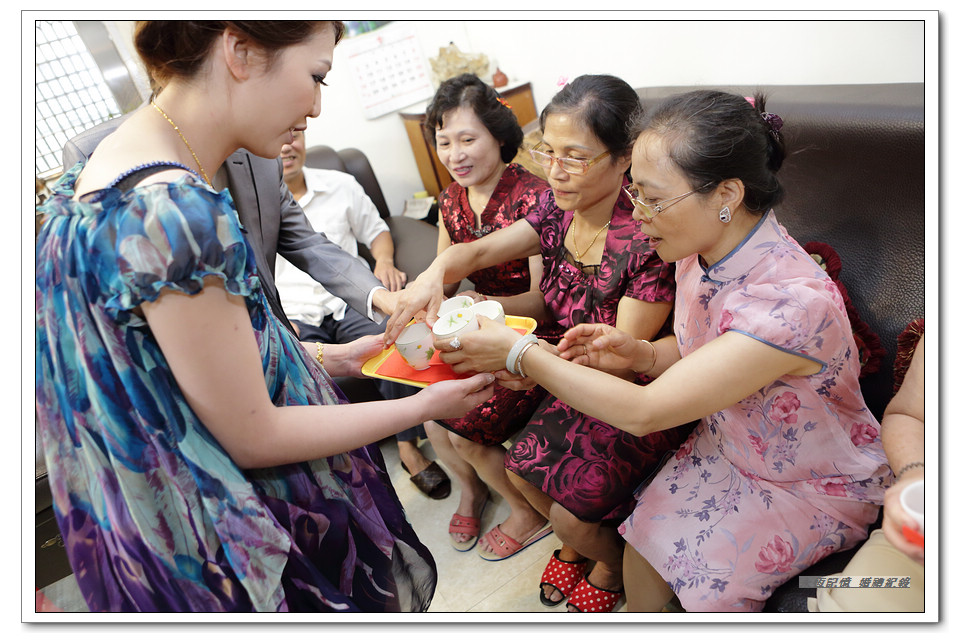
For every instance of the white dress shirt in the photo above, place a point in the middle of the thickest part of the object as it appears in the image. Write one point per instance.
(337, 206)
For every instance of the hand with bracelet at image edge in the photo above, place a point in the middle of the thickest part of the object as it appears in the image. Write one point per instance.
(894, 517)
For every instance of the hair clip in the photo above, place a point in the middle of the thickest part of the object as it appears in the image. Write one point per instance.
(503, 102)
(774, 121)
(750, 100)
(562, 82)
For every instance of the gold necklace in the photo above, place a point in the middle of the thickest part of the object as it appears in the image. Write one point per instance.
(573, 231)
(184, 139)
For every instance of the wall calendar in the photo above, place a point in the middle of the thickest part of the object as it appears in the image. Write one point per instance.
(388, 69)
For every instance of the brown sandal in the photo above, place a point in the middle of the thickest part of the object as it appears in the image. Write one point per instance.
(432, 481)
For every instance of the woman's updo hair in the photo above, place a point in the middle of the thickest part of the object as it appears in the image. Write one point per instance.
(177, 48)
(712, 136)
(605, 104)
(467, 90)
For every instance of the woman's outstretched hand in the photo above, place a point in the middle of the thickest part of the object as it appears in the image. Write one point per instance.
(599, 346)
(456, 398)
(422, 294)
(346, 360)
(481, 351)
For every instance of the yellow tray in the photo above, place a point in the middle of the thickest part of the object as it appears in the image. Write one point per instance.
(437, 371)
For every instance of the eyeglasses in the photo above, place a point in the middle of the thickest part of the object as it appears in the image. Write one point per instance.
(650, 210)
(568, 165)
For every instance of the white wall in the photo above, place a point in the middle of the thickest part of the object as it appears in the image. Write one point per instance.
(644, 53)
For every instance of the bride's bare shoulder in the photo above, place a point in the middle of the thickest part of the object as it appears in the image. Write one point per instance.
(133, 143)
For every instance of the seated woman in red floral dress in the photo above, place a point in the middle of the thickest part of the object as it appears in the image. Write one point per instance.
(476, 136)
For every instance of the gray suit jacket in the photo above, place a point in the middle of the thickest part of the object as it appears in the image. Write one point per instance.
(274, 224)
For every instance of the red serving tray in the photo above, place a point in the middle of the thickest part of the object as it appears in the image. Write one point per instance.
(389, 365)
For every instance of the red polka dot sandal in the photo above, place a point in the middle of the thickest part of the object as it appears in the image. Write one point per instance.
(587, 597)
(562, 576)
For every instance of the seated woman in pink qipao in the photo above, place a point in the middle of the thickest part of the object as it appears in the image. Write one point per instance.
(785, 465)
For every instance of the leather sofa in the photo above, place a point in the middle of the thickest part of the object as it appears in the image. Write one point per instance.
(854, 180)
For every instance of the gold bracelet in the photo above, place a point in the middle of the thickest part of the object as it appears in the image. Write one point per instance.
(654, 349)
(320, 353)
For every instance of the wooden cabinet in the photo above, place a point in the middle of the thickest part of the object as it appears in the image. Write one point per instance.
(434, 176)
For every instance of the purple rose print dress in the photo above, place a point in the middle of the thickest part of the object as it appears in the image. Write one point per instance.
(586, 465)
(763, 489)
(155, 515)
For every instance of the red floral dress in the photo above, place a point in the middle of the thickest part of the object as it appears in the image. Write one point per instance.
(588, 466)
(507, 411)
(767, 487)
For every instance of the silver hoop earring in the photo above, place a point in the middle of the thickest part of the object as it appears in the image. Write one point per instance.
(725, 215)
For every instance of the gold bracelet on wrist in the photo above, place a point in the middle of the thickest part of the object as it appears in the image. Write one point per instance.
(654, 362)
(320, 353)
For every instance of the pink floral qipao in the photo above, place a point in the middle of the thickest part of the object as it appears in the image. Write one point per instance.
(763, 489)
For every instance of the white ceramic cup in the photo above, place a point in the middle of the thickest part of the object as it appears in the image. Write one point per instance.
(455, 323)
(459, 302)
(415, 345)
(490, 309)
(911, 499)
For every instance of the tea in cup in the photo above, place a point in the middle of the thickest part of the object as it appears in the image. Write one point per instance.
(415, 345)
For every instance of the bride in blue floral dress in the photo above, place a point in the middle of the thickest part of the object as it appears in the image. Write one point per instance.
(200, 457)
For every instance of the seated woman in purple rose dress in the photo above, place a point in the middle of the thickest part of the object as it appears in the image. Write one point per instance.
(785, 465)
(597, 267)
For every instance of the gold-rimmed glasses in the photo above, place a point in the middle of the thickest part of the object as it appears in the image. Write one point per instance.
(650, 210)
(568, 165)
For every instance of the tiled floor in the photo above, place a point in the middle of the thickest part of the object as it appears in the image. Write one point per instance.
(467, 583)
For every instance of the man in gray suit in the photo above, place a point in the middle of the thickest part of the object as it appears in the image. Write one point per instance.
(274, 223)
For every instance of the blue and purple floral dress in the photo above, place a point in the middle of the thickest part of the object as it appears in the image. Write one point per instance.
(155, 516)
(764, 489)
